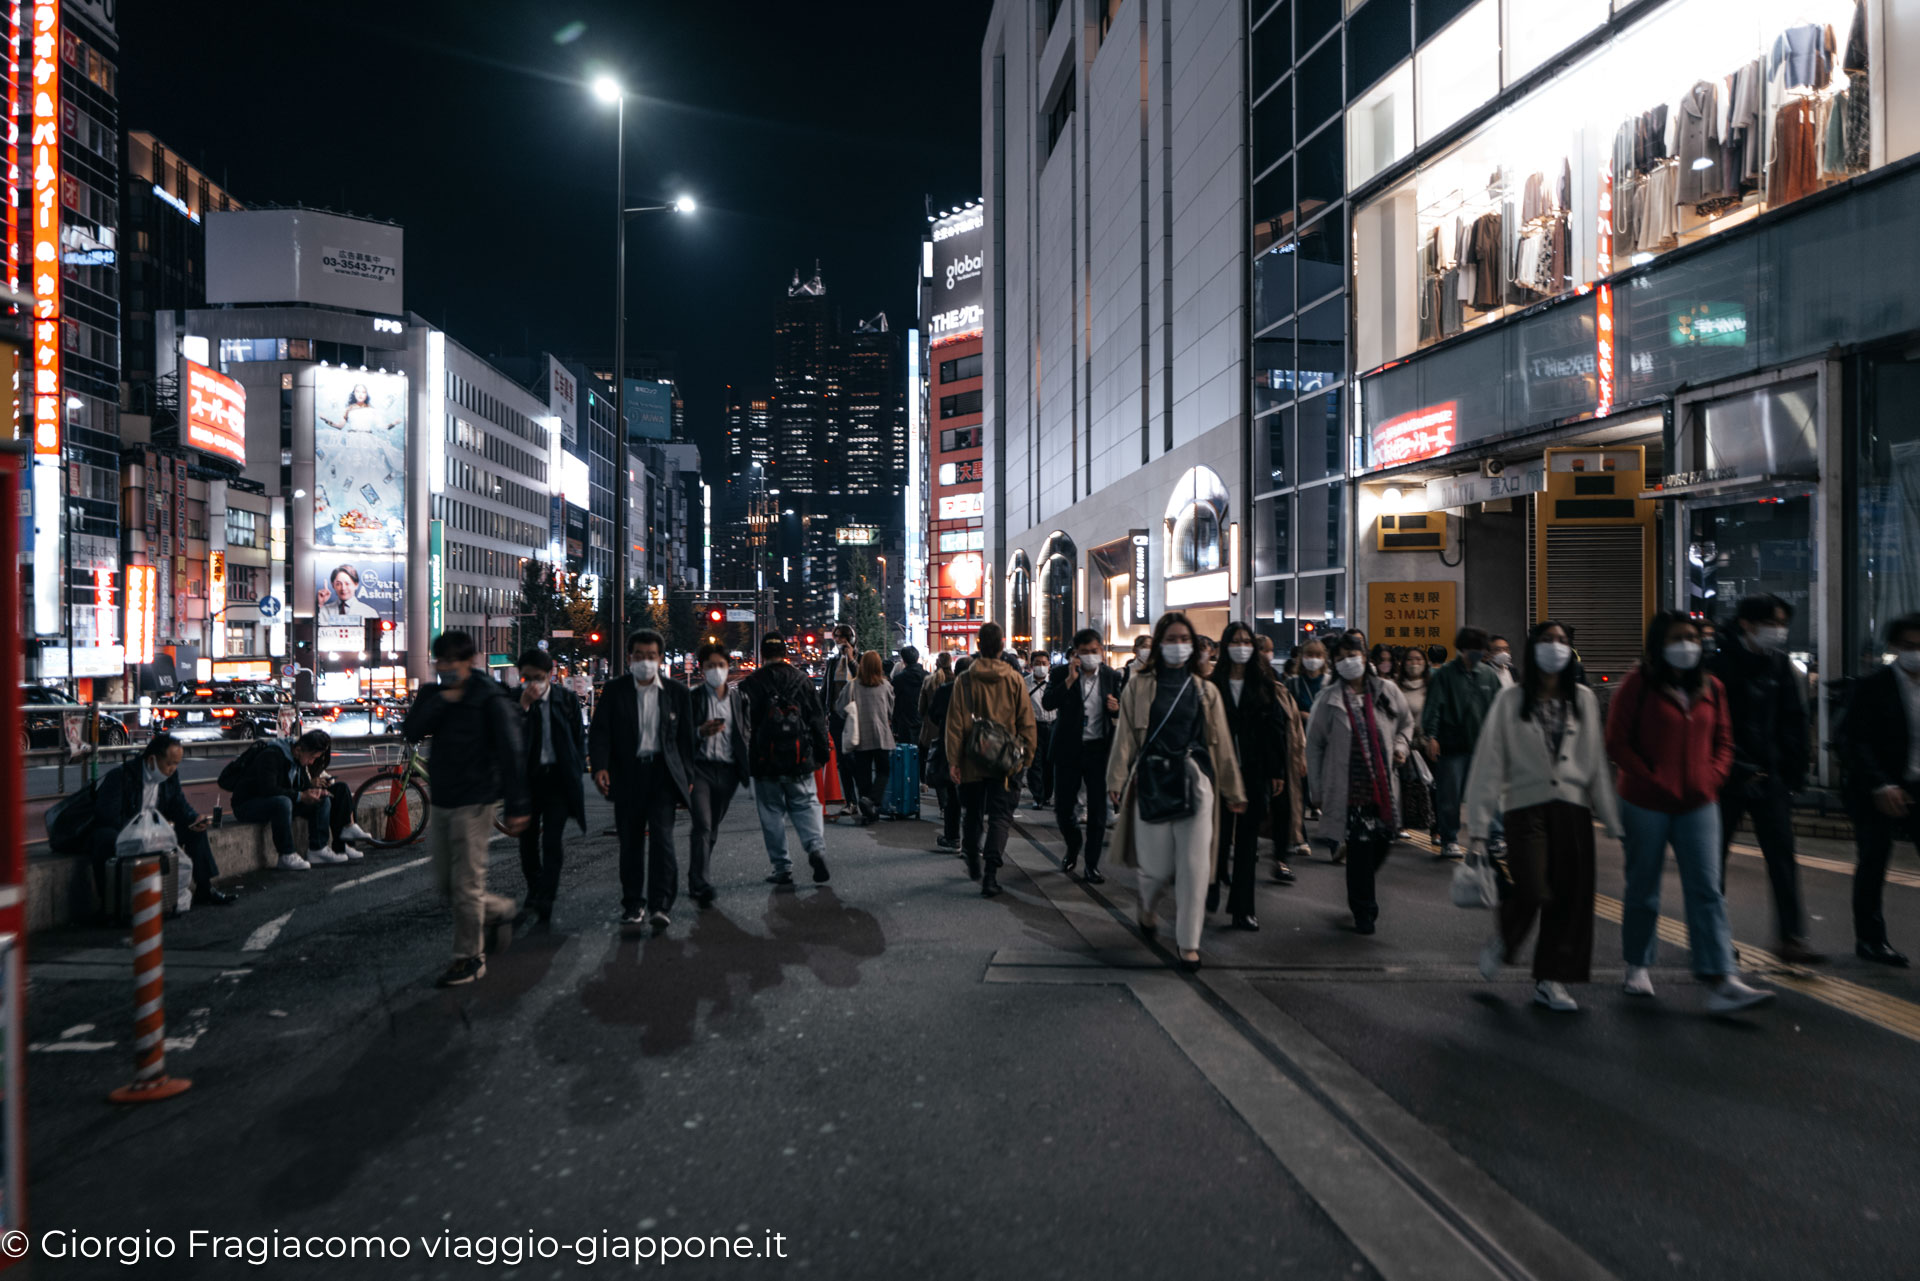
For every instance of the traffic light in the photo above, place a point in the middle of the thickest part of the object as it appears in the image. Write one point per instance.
(716, 616)
(370, 638)
(812, 639)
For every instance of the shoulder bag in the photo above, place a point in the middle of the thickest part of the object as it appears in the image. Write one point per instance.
(987, 744)
(1163, 787)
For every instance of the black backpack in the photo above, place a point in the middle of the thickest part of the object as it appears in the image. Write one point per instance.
(70, 820)
(783, 746)
(235, 771)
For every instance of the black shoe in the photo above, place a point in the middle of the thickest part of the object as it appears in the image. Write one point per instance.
(1070, 862)
(1148, 929)
(464, 970)
(1282, 873)
(544, 913)
(1881, 952)
(704, 897)
(1190, 965)
(499, 937)
(989, 886)
(819, 865)
(1094, 876)
(1796, 952)
(213, 896)
(780, 878)
(973, 864)
(1213, 898)
(1362, 927)
(659, 921)
(632, 918)
(946, 843)
(1246, 923)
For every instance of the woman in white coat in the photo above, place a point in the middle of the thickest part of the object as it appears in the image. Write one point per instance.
(1542, 760)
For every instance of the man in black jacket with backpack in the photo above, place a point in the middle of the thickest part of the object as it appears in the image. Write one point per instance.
(789, 743)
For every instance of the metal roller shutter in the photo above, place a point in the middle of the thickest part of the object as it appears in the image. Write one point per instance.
(1595, 587)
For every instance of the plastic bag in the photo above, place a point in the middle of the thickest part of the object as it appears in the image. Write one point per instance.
(148, 833)
(1473, 881)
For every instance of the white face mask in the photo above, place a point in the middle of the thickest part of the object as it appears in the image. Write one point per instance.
(1907, 660)
(1313, 665)
(1089, 662)
(1351, 667)
(643, 669)
(716, 678)
(1175, 653)
(1683, 655)
(1552, 657)
(1501, 659)
(1770, 637)
(1240, 653)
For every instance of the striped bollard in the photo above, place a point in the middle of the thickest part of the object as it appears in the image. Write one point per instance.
(150, 1080)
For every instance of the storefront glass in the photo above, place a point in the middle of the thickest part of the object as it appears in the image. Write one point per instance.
(1886, 542)
(1697, 119)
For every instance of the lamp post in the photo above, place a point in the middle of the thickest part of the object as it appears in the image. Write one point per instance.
(608, 90)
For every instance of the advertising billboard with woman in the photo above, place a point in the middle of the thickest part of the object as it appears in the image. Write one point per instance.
(359, 501)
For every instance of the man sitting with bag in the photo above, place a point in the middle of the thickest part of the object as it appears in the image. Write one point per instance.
(151, 781)
(275, 781)
(990, 737)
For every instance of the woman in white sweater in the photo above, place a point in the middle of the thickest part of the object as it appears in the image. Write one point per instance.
(1542, 760)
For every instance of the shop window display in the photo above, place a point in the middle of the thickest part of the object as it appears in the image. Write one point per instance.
(1695, 120)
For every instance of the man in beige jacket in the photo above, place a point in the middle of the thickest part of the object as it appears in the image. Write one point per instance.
(989, 690)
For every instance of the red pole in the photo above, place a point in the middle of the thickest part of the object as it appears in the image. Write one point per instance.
(150, 1080)
(13, 838)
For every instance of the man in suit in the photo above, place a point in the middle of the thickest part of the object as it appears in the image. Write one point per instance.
(719, 762)
(641, 743)
(556, 757)
(1084, 695)
(1880, 743)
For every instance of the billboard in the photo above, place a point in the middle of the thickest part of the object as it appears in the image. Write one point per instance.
(303, 255)
(216, 414)
(649, 409)
(563, 399)
(359, 462)
(350, 590)
(1408, 438)
(958, 307)
(142, 612)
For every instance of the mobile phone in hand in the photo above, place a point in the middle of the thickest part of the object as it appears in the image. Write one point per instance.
(216, 818)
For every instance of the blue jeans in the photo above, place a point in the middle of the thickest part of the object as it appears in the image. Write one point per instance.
(278, 811)
(1695, 837)
(1450, 789)
(779, 799)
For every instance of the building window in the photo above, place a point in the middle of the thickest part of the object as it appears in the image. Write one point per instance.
(242, 528)
(243, 582)
(960, 369)
(1060, 113)
(960, 404)
(959, 438)
(240, 639)
(1196, 520)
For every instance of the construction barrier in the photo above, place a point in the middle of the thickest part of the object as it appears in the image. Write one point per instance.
(150, 1080)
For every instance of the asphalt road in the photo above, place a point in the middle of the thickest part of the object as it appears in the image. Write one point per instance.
(902, 1079)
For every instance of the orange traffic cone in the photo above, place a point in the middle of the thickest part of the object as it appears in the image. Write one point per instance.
(826, 782)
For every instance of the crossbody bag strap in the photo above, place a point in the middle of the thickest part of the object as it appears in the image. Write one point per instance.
(1164, 719)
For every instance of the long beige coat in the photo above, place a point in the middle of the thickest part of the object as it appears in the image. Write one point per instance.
(1130, 734)
(1330, 748)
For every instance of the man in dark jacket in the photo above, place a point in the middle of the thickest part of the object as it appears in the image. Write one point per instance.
(556, 757)
(476, 764)
(942, 778)
(641, 743)
(1457, 703)
(906, 696)
(722, 747)
(1084, 695)
(1768, 710)
(118, 797)
(789, 743)
(1880, 746)
(279, 782)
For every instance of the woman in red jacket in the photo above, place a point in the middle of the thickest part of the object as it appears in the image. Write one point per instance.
(1669, 736)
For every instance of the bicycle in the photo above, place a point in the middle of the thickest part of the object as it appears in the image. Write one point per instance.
(404, 807)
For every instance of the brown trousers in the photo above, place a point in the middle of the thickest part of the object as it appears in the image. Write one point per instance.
(1550, 860)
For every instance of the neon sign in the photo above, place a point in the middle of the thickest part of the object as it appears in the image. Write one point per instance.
(47, 398)
(1424, 433)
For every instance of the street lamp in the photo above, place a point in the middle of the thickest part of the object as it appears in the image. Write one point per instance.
(609, 90)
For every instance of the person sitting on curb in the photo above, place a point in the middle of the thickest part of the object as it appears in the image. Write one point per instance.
(152, 780)
(278, 781)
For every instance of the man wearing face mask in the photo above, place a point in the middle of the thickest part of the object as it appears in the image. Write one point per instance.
(556, 757)
(1500, 656)
(719, 762)
(477, 762)
(1880, 748)
(1083, 695)
(1767, 704)
(1457, 703)
(1040, 772)
(641, 744)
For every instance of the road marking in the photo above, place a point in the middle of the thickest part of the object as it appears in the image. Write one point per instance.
(70, 1047)
(1894, 875)
(1882, 1009)
(374, 876)
(262, 939)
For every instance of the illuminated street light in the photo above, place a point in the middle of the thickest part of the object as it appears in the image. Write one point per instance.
(684, 205)
(606, 88)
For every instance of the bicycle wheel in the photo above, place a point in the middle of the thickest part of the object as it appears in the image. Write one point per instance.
(401, 817)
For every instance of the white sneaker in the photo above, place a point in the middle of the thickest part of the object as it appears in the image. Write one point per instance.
(1639, 982)
(1492, 956)
(325, 856)
(353, 855)
(294, 863)
(1554, 996)
(1732, 994)
(355, 832)
(1455, 852)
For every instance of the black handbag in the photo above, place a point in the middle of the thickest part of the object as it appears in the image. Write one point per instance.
(1163, 784)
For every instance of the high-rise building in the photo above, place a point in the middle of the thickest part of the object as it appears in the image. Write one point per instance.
(1114, 365)
(805, 389)
(957, 582)
(869, 462)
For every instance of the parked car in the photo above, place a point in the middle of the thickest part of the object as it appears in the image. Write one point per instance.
(197, 711)
(44, 713)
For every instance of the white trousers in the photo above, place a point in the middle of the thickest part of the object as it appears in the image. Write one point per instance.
(1181, 852)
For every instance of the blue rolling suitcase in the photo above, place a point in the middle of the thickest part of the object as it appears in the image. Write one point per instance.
(903, 782)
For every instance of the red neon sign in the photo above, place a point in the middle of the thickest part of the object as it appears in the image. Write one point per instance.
(1424, 433)
(45, 143)
(216, 414)
(142, 608)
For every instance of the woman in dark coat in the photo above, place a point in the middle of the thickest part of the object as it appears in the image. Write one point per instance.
(1262, 732)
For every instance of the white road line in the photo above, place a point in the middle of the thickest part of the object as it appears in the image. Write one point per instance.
(262, 939)
(374, 876)
(70, 1047)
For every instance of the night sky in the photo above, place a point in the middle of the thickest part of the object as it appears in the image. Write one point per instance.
(804, 130)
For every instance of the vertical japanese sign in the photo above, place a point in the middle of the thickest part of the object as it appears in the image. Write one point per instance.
(13, 151)
(46, 229)
(217, 602)
(142, 613)
(436, 579)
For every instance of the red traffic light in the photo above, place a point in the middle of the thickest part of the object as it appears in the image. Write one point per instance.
(716, 616)
(593, 637)
(386, 625)
(811, 638)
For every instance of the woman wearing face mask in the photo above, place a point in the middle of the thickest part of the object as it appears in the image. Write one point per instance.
(1669, 734)
(1381, 660)
(870, 698)
(1314, 675)
(1168, 713)
(1289, 830)
(1358, 733)
(1541, 757)
(1262, 736)
(1416, 787)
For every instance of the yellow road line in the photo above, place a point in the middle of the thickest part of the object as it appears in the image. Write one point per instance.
(1882, 1009)
(1894, 875)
